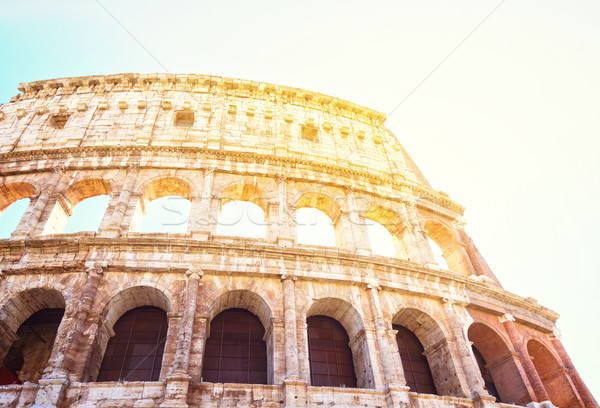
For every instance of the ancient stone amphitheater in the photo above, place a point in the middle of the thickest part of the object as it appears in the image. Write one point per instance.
(123, 318)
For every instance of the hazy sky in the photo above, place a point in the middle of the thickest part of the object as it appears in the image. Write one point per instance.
(508, 124)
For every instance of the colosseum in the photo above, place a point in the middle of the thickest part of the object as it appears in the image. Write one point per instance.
(205, 317)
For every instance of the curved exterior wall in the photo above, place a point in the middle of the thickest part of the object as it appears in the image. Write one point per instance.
(211, 140)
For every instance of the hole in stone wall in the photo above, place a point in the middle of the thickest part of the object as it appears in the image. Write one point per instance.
(58, 121)
(184, 118)
(310, 133)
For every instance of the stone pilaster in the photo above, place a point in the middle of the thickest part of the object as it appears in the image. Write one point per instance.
(283, 228)
(179, 379)
(420, 250)
(353, 226)
(394, 381)
(289, 316)
(203, 221)
(32, 223)
(114, 221)
(470, 378)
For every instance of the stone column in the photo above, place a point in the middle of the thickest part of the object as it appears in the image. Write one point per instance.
(419, 247)
(584, 392)
(179, 379)
(204, 221)
(394, 381)
(284, 229)
(115, 225)
(354, 227)
(389, 371)
(468, 364)
(289, 315)
(508, 322)
(30, 224)
(63, 356)
(55, 380)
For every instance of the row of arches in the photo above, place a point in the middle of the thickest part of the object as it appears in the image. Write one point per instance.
(238, 345)
(165, 205)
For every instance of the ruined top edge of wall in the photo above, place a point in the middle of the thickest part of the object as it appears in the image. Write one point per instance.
(195, 83)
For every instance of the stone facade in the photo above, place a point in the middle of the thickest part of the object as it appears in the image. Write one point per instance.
(212, 140)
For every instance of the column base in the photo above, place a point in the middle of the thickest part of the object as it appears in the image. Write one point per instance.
(396, 395)
(294, 393)
(51, 392)
(201, 235)
(484, 401)
(176, 391)
(285, 242)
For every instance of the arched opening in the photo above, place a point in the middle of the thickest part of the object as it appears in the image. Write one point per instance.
(344, 314)
(29, 324)
(386, 232)
(318, 220)
(446, 248)
(88, 216)
(135, 351)
(314, 227)
(436, 352)
(164, 207)
(14, 200)
(329, 353)
(243, 212)
(414, 363)
(235, 351)
(136, 323)
(242, 219)
(11, 216)
(554, 377)
(497, 360)
(438, 254)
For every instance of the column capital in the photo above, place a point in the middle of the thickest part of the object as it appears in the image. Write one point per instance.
(194, 273)
(291, 276)
(506, 317)
(281, 178)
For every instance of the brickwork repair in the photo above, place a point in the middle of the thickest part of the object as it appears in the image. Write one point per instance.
(212, 140)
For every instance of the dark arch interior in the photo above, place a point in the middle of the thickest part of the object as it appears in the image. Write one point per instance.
(135, 352)
(486, 375)
(28, 356)
(235, 351)
(329, 353)
(416, 368)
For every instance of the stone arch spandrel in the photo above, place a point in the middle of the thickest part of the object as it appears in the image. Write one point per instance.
(553, 374)
(86, 188)
(501, 361)
(162, 186)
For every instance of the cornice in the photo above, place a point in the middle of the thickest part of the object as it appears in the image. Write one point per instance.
(503, 300)
(396, 182)
(193, 83)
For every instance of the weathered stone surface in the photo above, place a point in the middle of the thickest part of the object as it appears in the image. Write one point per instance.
(213, 140)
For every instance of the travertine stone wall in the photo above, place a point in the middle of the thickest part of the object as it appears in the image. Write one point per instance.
(211, 140)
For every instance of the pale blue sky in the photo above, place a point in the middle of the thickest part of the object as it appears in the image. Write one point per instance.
(508, 125)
